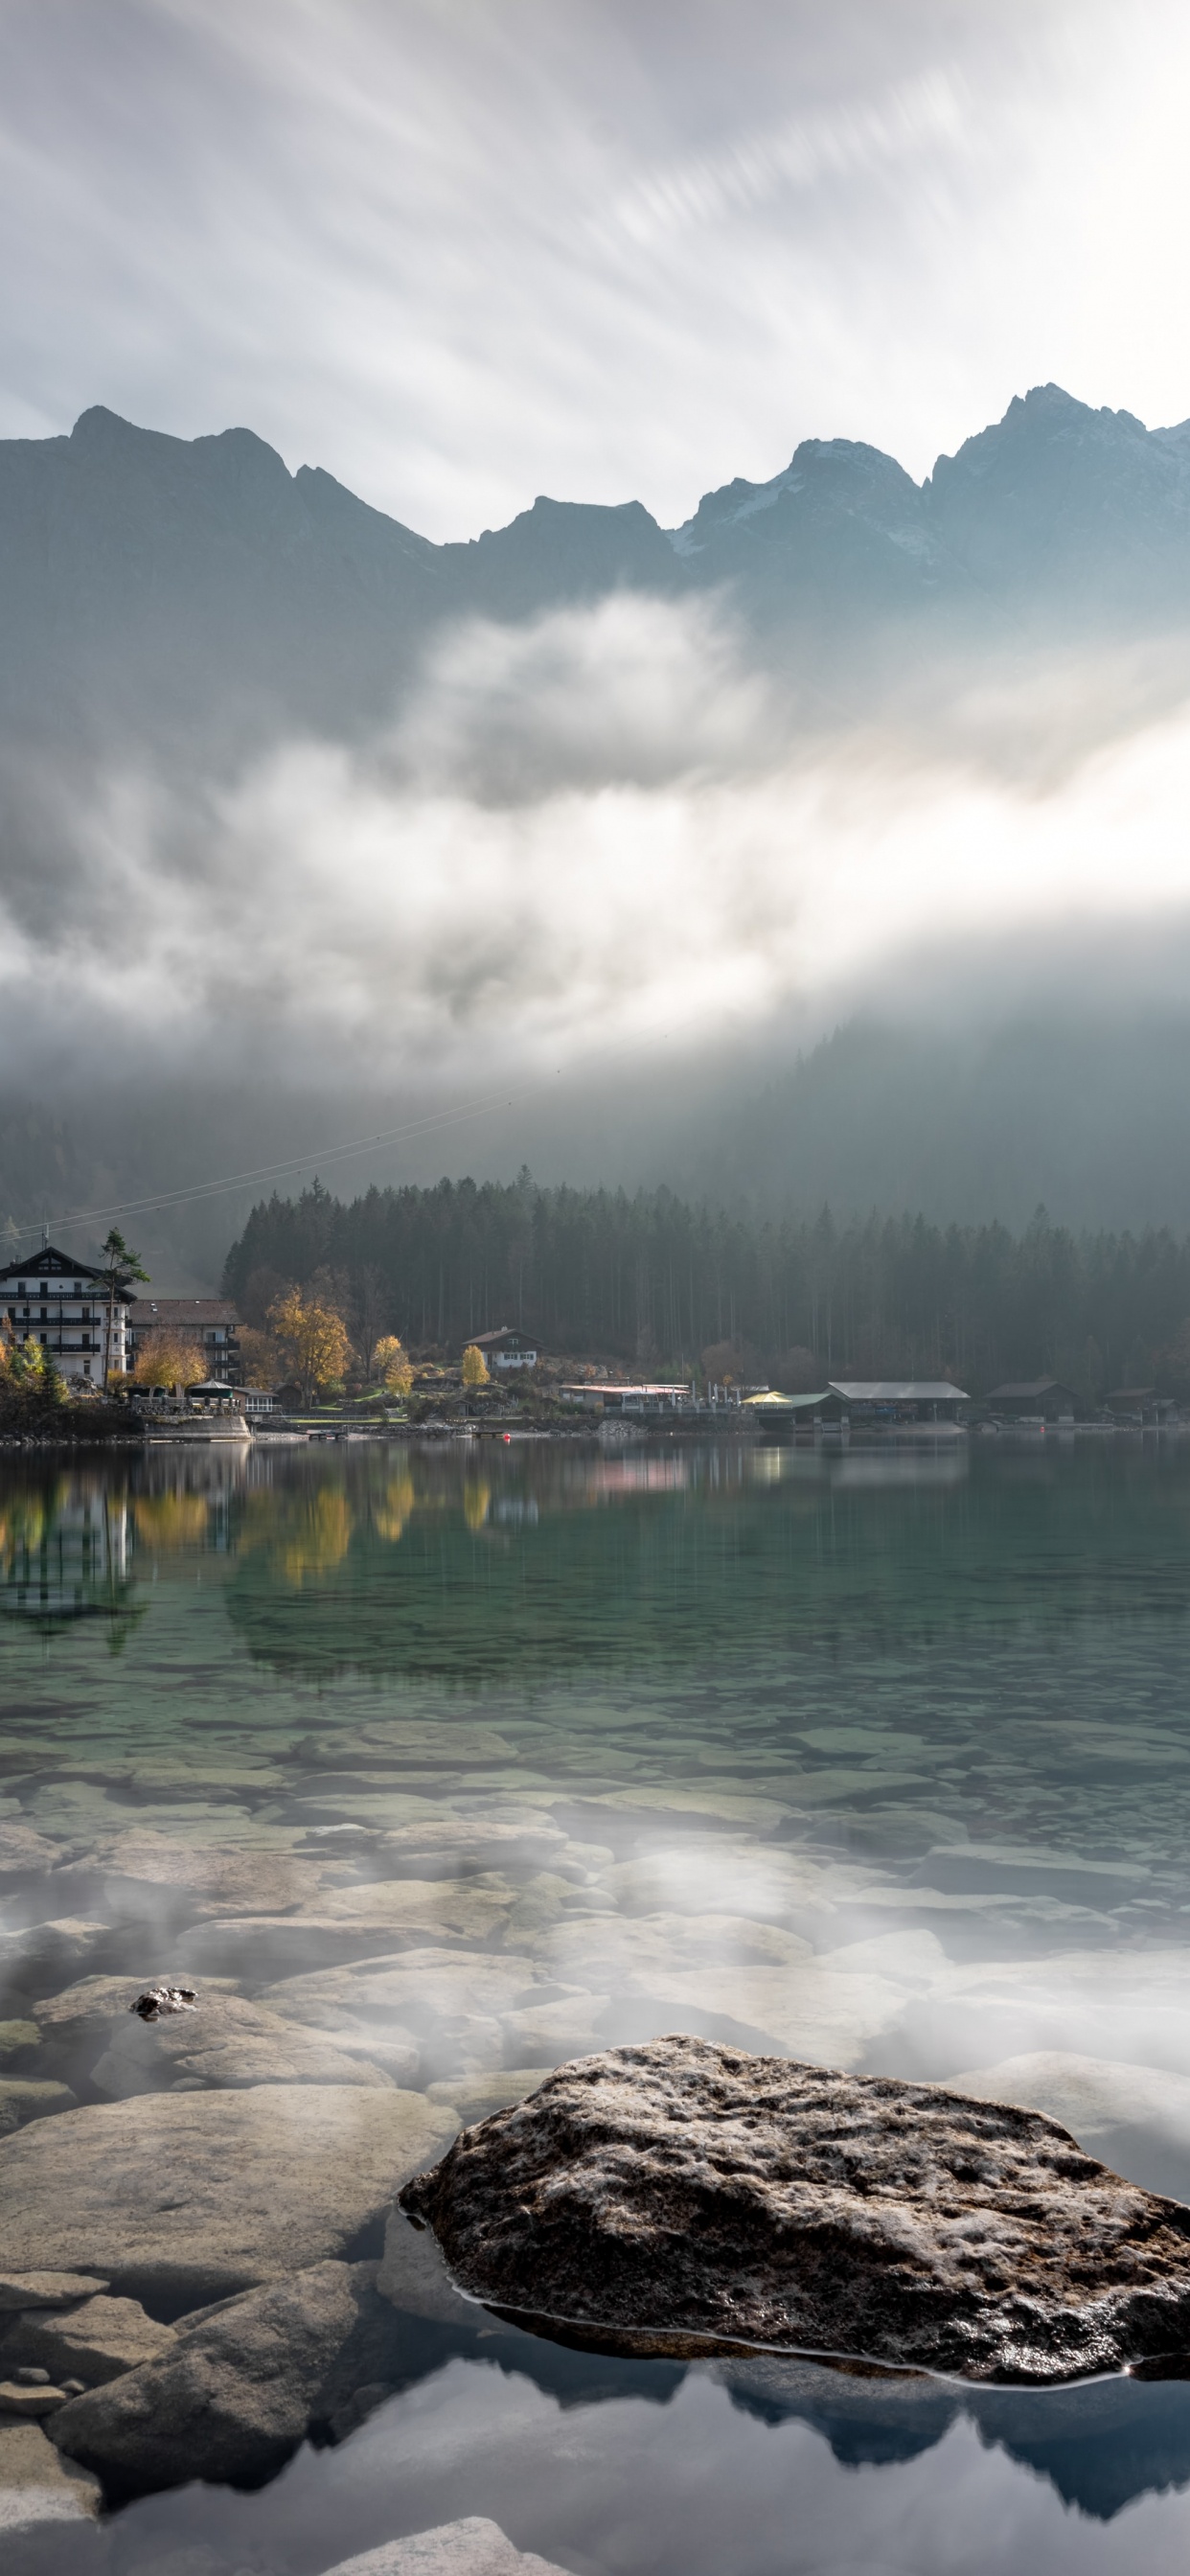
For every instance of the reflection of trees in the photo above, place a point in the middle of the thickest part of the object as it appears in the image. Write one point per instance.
(701, 1559)
(171, 1520)
(318, 1536)
(395, 1507)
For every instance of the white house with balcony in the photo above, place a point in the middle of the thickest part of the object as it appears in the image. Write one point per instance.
(53, 1299)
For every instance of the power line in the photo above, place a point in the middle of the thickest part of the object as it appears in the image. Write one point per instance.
(157, 1200)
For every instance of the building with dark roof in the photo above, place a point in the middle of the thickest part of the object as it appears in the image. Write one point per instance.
(211, 1323)
(1036, 1399)
(505, 1348)
(52, 1298)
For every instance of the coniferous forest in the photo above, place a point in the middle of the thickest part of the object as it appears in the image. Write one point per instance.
(656, 1281)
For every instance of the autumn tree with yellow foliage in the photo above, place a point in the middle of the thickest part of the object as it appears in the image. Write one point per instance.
(390, 1364)
(168, 1359)
(314, 1340)
(475, 1367)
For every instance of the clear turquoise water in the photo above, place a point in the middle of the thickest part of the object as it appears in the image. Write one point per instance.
(881, 1759)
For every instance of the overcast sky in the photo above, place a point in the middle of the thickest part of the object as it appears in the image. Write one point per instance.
(459, 254)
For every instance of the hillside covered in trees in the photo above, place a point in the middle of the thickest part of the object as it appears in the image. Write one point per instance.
(653, 1280)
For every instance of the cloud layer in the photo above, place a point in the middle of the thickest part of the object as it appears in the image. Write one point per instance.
(597, 835)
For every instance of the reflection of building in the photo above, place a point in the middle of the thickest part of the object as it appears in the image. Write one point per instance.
(63, 1304)
(507, 1349)
(1036, 1399)
(211, 1323)
(66, 1552)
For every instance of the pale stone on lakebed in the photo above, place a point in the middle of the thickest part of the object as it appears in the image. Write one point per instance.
(46, 2289)
(679, 2191)
(474, 2096)
(17, 2035)
(94, 2004)
(473, 2547)
(422, 1982)
(404, 1912)
(94, 2342)
(227, 2042)
(186, 2197)
(37, 2485)
(800, 2001)
(28, 2100)
(234, 2393)
(1088, 2094)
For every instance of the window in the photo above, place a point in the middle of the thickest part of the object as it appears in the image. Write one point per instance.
(78, 1287)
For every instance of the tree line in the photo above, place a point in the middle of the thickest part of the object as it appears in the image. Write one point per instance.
(656, 1281)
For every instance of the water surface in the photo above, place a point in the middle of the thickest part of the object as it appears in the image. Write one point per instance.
(881, 1759)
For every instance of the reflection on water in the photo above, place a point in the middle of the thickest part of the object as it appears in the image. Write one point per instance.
(64, 1550)
(472, 1762)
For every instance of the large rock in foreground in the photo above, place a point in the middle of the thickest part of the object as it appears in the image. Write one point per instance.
(681, 2190)
(182, 2197)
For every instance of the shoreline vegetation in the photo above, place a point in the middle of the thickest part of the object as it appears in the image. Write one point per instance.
(658, 1283)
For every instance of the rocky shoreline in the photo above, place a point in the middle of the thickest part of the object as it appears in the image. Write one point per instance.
(201, 2279)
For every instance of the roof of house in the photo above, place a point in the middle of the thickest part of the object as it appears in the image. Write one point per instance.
(149, 1311)
(631, 1386)
(1016, 1389)
(1129, 1394)
(898, 1390)
(772, 1396)
(49, 1262)
(500, 1333)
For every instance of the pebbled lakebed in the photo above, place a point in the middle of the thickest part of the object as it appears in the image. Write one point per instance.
(433, 1771)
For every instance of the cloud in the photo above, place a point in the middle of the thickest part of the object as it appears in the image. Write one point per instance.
(459, 256)
(597, 838)
(800, 154)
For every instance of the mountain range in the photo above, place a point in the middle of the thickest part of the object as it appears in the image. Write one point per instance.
(173, 609)
(159, 590)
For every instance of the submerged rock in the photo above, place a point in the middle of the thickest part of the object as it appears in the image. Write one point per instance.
(473, 2547)
(37, 2485)
(233, 2043)
(682, 2190)
(21, 2101)
(22, 2397)
(235, 2393)
(178, 2198)
(91, 2343)
(46, 2289)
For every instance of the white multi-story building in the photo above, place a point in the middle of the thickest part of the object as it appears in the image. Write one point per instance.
(51, 1298)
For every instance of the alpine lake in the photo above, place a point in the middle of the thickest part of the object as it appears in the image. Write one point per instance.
(878, 1757)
